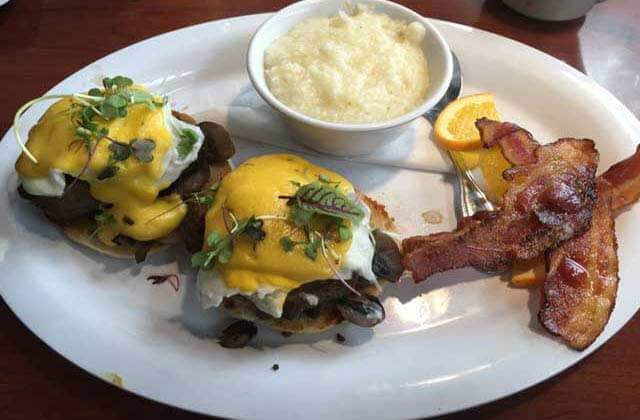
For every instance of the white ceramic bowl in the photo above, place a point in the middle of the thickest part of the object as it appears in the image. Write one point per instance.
(339, 138)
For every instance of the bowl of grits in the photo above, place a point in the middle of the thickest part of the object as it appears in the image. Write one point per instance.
(349, 77)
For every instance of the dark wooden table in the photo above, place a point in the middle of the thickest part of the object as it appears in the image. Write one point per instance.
(44, 41)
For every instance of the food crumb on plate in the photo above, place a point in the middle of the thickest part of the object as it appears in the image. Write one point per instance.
(114, 378)
(432, 217)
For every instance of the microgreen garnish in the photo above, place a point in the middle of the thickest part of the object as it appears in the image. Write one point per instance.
(323, 198)
(205, 197)
(344, 232)
(95, 92)
(96, 107)
(119, 151)
(188, 138)
(140, 148)
(205, 200)
(300, 216)
(113, 106)
(143, 149)
(287, 244)
(118, 82)
(220, 248)
(311, 248)
(103, 219)
(108, 172)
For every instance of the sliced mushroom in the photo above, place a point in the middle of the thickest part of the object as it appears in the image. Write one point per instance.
(238, 334)
(142, 249)
(312, 298)
(221, 146)
(387, 260)
(192, 226)
(364, 311)
(74, 205)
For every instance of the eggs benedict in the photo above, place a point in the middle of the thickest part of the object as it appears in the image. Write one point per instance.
(117, 169)
(295, 246)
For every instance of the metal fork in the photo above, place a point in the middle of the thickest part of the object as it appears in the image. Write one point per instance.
(471, 197)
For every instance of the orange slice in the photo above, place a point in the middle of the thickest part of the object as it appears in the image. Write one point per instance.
(492, 164)
(455, 127)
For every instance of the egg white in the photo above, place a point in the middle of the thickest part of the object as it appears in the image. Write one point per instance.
(54, 184)
(358, 260)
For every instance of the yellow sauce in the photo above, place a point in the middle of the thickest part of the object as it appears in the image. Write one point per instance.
(253, 189)
(135, 188)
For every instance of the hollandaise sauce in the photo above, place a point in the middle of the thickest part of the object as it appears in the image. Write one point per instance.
(128, 185)
(256, 188)
(266, 270)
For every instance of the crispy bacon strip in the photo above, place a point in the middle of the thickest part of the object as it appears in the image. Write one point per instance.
(518, 145)
(426, 255)
(548, 201)
(623, 182)
(582, 281)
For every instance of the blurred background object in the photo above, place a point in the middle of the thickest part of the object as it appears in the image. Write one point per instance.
(552, 9)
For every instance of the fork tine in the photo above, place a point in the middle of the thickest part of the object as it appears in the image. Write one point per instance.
(472, 198)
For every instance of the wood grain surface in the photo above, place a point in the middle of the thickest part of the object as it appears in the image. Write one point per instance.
(44, 41)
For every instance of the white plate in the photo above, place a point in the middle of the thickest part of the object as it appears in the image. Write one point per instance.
(457, 340)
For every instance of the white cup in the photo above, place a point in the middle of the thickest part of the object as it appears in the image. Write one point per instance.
(552, 9)
(341, 138)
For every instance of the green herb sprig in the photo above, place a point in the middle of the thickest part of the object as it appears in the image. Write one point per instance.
(321, 198)
(106, 104)
(220, 248)
(103, 219)
(203, 198)
(324, 198)
(188, 139)
(141, 149)
(311, 245)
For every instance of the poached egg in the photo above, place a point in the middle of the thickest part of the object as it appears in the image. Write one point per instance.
(133, 193)
(264, 271)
